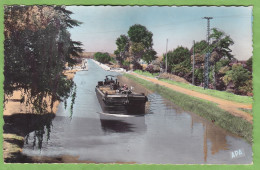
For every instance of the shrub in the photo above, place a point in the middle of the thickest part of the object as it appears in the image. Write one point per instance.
(247, 88)
(137, 66)
(149, 68)
(103, 57)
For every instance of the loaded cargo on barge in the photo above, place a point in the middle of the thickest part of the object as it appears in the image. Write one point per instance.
(116, 99)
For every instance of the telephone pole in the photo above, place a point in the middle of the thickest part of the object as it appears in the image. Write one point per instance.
(206, 60)
(193, 63)
(166, 55)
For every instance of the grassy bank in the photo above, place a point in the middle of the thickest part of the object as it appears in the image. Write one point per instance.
(250, 111)
(215, 93)
(203, 108)
(146, 73)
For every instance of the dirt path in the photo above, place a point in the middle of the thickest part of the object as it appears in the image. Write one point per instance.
(229, 106)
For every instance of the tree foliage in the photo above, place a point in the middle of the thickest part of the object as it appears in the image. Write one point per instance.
(138, 44)
(220, 52)
(139, 34)
(37, 46)
(249, 64)
(221, 44)
(199, 47)
(149, 56)
(179, 60)
(238, 75)
(103, 57)
(122, 50)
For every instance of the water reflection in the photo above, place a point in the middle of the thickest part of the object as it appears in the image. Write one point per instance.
(33, 126)
(213, 134)
(35, 138)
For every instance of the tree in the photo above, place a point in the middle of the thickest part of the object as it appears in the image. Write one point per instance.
(136, 45)
(221, 68)
(220, 47)
(149, 56)
(199, 47)
(137, 50)
(37, 45)
(139, 34)
(74, 50)
(199, 57)
(122, 43)
(179, 60)
(142, 43)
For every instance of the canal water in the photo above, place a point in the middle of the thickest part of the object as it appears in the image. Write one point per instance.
(164, 135)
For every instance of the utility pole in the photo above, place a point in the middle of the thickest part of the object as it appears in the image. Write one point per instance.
(206, 65)
(193, 63)
(166, 55)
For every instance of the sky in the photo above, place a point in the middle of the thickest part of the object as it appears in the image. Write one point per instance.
(102, 25)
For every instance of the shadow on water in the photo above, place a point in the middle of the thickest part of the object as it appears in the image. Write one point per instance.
(24, 124)
(122, 123)
(115, 126)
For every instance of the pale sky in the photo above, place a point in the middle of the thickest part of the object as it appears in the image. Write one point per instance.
(102, 25)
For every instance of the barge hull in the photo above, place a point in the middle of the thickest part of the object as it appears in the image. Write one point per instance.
(121, 104)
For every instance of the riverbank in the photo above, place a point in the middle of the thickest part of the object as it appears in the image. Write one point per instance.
(230, 106)
(181, 82)
(108, 68)
(17, 117)
(202, 107)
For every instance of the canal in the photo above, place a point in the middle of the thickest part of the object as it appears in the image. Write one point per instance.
(164, 135)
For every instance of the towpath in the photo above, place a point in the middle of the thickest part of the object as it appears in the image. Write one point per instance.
(229, 106)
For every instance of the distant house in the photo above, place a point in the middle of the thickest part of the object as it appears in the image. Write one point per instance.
(141, 61)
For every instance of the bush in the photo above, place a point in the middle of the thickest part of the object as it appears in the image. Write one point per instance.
(104, 58)
(198, 74)
(137, 66)
(149, 68)
(247, 88)
(238, 75)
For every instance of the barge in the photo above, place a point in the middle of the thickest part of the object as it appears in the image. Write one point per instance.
(116, 99)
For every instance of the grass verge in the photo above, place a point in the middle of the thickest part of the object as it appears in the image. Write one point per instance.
(215, 93)
(201, 107)
(146, 73)
(250, 111)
